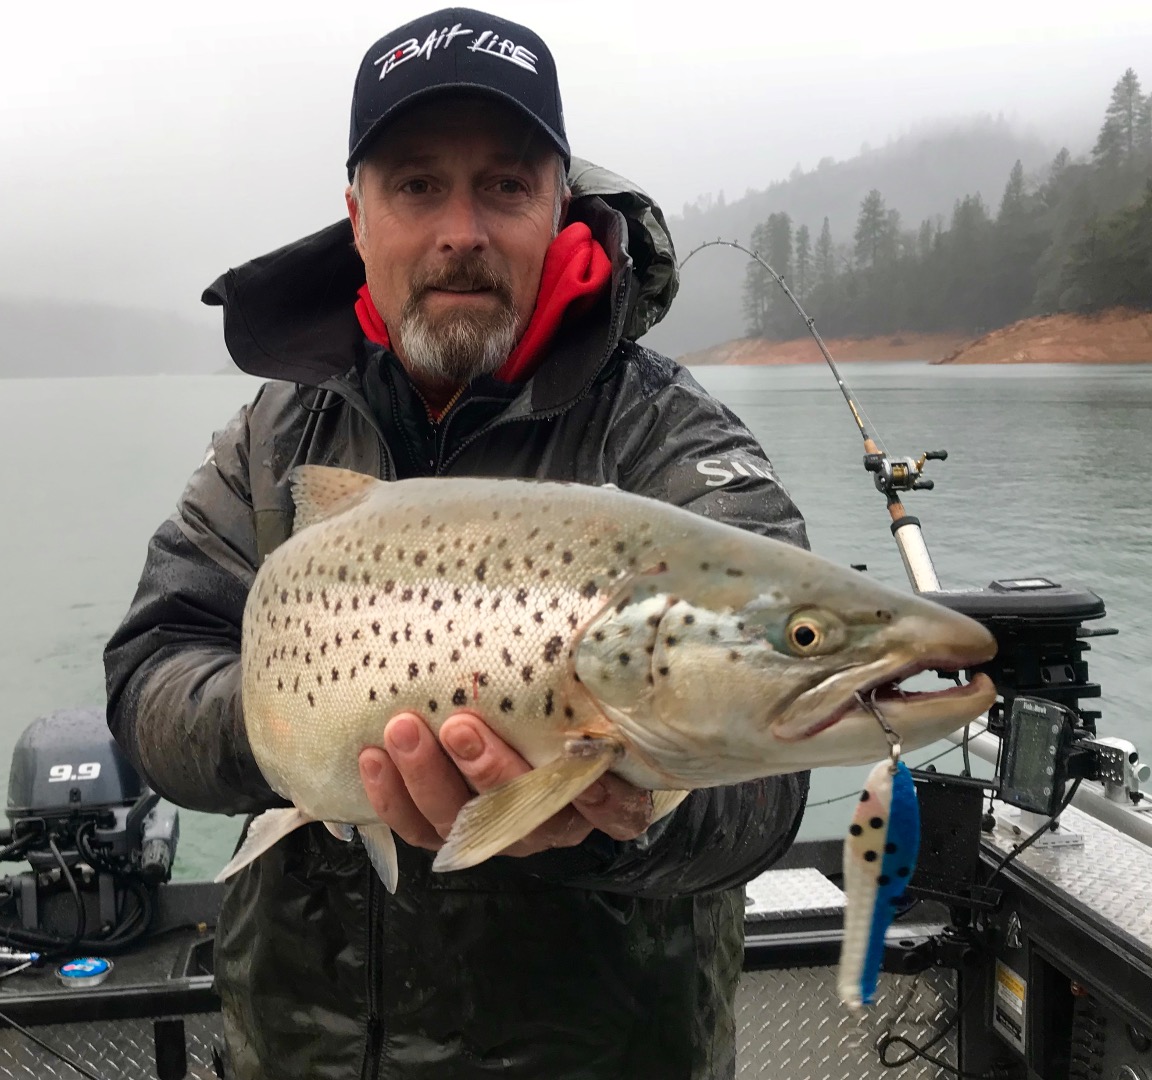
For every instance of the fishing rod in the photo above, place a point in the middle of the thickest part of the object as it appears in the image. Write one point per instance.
(891, 475)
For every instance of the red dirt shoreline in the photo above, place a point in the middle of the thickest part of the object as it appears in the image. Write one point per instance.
(1114, 337)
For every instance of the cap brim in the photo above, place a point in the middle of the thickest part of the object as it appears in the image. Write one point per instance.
(370, 136)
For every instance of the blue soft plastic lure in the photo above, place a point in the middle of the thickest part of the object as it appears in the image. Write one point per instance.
(879, 857)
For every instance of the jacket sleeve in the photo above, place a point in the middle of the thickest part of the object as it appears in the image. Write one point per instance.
(173, 667)
(682, 446)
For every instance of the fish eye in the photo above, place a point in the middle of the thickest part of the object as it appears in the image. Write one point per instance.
(804, 634)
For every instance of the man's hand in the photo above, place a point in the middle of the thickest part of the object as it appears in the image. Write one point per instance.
(418, 785)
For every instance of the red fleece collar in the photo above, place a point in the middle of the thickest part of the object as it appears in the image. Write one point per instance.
(576, 271)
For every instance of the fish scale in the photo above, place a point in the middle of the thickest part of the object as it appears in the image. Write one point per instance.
(591, 629)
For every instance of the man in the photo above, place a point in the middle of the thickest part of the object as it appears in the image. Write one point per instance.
(483, 324)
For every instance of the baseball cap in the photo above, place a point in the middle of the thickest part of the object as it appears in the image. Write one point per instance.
(455, 49)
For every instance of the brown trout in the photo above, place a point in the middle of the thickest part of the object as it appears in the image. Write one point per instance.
(592, 629)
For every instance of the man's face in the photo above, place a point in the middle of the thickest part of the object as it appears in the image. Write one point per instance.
(456, 217)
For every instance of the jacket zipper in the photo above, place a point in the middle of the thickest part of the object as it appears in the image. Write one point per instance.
(374, 1042)
(442, 465)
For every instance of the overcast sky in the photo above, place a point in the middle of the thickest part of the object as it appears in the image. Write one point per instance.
(144, 147)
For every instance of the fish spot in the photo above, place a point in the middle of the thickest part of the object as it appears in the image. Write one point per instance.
(506, 656)
(517, 631)
(671, 640)
(481, 569)
(308, 657)
(311, 699)
(552, 648)
(549, 546)
(457, 595)
(459, 697)
(734, 656)
(876, 823)
(394, 637)
(342, 573)
(506, 705)
(534, 533)
(569, 712)
(400, 551)
(296, 685)
(307, 629)
(441, 569)
(424, 594)
(284, 596)
(705, 567)
(856, 830)
(662, 671)
(526, 673)
(279, 684)
(339, 639)
(413, 670)
(589, 590)
(870, 856)
(367, 659)
(566, 557)
(356, 603)
(689, 619)
(479, 639)
(507, 565)
(433, 705)
(548, 703)
(383, 663)
(335, 675)
(406, 595)
(625, 659)
(376, 628)
(389, 585)
(371, 695)
(618, 547)
(455, 655)
(573, 621)
(428, 636)
(522, 597)
(594, 541)
(394, 690)
(538, 617)
(528, 562)
(599, 635)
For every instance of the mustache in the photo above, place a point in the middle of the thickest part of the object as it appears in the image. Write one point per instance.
(465, 274)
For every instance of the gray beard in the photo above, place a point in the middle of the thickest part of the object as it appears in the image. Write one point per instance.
(459, 347)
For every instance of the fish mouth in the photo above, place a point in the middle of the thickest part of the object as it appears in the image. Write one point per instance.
(902, 710)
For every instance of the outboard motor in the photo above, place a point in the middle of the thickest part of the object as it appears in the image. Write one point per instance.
(84, 820)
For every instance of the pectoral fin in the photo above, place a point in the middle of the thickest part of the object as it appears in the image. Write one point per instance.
(264, 831)
(492, 821)
(664, 802)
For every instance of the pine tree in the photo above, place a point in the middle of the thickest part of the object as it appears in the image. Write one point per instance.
(756, 284)
(803, 262)
(1127, 129)
(871, 229)
(778, 255)
(825, 258)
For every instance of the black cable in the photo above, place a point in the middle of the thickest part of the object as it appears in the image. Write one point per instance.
(50, 1049)
(81, 914)
(1025, 844)
(914, 1051)
(120, 937)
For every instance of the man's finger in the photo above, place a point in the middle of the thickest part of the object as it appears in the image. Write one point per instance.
(436, 787)
(389, 797)
(485, 759)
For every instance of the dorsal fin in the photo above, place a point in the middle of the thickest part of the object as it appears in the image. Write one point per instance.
(321, 491)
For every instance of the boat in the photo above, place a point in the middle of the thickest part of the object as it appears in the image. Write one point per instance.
(1022, 948)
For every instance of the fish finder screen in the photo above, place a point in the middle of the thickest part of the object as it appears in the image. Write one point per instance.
(1033, 772)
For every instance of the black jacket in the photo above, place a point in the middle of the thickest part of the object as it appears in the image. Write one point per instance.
(605, 960)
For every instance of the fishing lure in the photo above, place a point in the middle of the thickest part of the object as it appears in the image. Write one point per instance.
(879, 856)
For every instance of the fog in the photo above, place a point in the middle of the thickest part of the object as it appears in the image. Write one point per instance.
(145, 148)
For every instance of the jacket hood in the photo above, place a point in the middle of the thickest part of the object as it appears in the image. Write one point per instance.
(290, 314)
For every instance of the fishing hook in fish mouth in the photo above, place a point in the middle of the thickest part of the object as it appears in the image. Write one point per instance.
(869, 706)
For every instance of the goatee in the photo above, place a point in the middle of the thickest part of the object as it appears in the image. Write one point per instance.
(457, 346)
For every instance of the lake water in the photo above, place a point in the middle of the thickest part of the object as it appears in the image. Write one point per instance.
(1048, 474)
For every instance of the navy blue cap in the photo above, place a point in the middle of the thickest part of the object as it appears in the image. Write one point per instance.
(456, 49)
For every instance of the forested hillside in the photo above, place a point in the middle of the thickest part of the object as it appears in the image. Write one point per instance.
(1076, 238)
(922, 172)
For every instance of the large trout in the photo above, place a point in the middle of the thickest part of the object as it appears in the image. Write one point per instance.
(593, 630)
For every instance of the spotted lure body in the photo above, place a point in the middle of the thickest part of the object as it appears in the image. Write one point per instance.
(879, 856)
(591, 629)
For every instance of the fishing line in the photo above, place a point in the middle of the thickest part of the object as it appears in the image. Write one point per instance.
(867, 430)
(855, 792)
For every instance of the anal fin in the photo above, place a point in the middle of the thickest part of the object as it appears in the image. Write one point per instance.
(381, 848)
(491, 822)
(264, 831)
